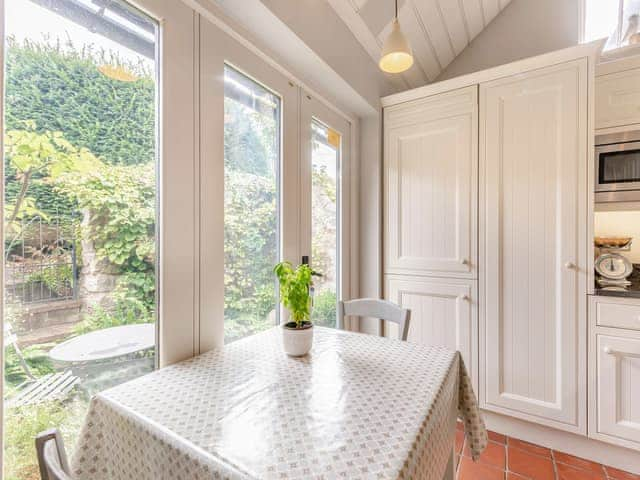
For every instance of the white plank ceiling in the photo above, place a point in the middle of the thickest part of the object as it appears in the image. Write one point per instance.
(438, 30)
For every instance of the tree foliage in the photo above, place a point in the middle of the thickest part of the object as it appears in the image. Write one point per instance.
(120, 202)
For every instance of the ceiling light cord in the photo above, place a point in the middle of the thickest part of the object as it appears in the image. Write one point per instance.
(396, 9)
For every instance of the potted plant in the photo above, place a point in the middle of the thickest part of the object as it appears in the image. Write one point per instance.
(295, 295)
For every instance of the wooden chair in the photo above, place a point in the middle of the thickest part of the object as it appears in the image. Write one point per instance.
(52, 386)
(382, 309)
(52, 457)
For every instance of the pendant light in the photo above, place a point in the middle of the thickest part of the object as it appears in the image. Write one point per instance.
(396, 54)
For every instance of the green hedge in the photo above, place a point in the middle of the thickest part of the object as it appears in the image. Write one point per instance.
(61, 89)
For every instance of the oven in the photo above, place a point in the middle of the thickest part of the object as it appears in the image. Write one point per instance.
(617, 167)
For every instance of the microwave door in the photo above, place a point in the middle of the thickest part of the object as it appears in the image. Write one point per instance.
(618, 167)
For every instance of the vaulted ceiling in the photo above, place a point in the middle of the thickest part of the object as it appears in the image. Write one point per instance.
(438, 30)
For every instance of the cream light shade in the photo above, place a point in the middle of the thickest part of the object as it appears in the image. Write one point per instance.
(396, 53)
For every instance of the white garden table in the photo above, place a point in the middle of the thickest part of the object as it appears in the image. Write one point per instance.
(357, 407)
(106, 343)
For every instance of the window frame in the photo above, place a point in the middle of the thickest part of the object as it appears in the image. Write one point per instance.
(218, 49)
(313, 110)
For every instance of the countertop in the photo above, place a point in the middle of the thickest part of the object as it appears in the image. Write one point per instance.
(632, 291)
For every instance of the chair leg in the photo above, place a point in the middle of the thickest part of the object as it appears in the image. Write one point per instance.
(23, 362)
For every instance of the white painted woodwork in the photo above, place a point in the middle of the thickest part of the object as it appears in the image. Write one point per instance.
(474, 18)
(614, 371)
(443, 312)
(618, 387)
(438, 30)
(430, 159)
(618, 99)
(423, 52)
(491, 8)
(430, 14)
(452, 15)
(533, 196)
(618, 312)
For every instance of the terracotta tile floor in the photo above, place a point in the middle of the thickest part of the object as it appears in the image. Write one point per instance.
(508, 458)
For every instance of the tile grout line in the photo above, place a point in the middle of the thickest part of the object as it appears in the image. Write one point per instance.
(552, 456)
(553, 463)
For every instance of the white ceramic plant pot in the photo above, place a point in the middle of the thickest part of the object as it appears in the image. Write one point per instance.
(297, 342)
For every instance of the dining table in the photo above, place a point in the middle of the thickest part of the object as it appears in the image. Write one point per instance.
(356, 406)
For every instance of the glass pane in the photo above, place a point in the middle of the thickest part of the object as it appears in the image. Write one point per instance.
(325, 165)
(601, 19)
(251, 219)
(616, 19)
(79, 213)
(620, 167)
(630, 29)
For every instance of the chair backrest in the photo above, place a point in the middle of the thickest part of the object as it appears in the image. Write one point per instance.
(373, 307)
(52, 457)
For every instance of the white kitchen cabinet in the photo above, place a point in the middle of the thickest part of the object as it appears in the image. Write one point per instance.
(614, 371)
(618, 388)
(430, 160)
(533, 241)
(618, 99)
(443, 312)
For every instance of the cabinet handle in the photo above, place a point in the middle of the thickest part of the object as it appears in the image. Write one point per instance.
(570, 265)
(464, 297)
(611, 351)
(464, 261)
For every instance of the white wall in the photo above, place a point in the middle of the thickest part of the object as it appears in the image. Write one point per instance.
(525, 28)
(620, 224)
(370, 214)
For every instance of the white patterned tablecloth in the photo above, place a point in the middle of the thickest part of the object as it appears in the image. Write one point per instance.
(357, 407)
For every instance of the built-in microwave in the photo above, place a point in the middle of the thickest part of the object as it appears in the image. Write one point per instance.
(617, 168)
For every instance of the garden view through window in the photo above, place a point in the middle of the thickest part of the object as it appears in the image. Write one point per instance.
(79, 213)
(251, 205)
(325, 163)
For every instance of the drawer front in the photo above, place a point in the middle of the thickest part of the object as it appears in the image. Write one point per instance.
(618, 99)
(618, 387)
(618, 314)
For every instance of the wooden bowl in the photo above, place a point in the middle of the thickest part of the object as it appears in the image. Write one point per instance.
(612, 242)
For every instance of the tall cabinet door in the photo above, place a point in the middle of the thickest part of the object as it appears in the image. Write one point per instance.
(533, 238)
(443, 312)
(431, 185)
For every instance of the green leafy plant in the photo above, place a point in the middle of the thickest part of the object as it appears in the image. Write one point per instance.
(57, 278)
(295, 286)
(324, 308)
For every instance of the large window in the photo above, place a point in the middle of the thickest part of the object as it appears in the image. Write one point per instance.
(325, 195)
(251, 205)
(617, 20)
(79, 212)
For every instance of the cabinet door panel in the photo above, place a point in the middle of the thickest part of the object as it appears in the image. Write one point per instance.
(618, 384)
(443, 312)
(431, 185)
(618, 99)
(533, 154)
